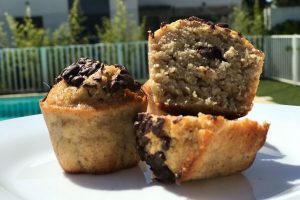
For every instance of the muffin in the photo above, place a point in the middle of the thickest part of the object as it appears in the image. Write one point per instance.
(197, 66)
(89, 113)
(183, 148)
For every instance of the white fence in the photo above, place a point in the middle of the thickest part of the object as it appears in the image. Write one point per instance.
(27, 69)
(282, 60)
(30, 69)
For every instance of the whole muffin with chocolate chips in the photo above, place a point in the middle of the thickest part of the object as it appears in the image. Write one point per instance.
(185, 148)
(89, 113)
(197, 66)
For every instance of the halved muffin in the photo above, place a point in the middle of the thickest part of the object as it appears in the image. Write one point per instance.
(183, 148)
(197, 66)
(89, 113)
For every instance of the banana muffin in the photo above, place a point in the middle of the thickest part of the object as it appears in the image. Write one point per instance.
(197, 66)
(89, 113)
(183, 148)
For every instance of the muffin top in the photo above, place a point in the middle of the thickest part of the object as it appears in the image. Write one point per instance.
(90, 83)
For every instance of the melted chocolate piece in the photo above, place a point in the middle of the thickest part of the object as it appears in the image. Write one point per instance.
(76, 73)
(71, 70)
(123, 80)
(211, 53)
(157, 126)
(76, 81)
(159, 168)
(223, 25)
(90, 85)
(144, 124)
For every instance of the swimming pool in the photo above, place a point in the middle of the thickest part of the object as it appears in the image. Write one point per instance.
(18, 106)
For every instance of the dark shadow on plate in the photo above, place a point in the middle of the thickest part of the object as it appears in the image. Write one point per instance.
(268, 176)
(230, 187)
(126, 179)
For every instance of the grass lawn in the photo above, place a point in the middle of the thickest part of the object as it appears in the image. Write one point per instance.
(281, 93)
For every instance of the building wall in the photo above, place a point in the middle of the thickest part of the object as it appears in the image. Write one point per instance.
(53, 12)
(278, 15)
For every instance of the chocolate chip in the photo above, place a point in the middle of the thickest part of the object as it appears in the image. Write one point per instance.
(84, 71)
(81, 61)
(76, 81)
(83, 68)
(115, 86)
(92, 70)
(193, 18)
(240, 34)
(90, 85)
(228, 30)
(89, 60)
(157, 126)
(163, 24)
(210, 23)
(58, 79)
(120, 66)
(211, 53)
(122, 81)
(223, 25)
(69, 78)
(124, 71)
(145, 123)
(166, 141)
(159, 168)
(102, 66)
(71, 70)
(97, 79)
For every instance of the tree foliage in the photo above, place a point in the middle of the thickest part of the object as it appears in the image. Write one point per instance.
(287, 27)
(247, 23)
(73, 31)
(241, 20)
(286, 3)
(26, 34)
(62, 35)
(121, 28)
(258, 25)
(76, 19)
(3, 37)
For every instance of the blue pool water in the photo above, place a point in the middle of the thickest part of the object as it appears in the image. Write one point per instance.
(11, 107)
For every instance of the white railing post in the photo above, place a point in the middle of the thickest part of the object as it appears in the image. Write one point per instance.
(120, 53)
(295, 63)
(44, 65)
(267, 64)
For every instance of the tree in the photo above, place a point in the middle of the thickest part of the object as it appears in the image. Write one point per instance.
(258, 26)
(246, 23)
(121, 28)
(26, 34)
(284, 3)
(3, 37)
(76, 19)
(241, 21)
(62, 35)
(71, 32)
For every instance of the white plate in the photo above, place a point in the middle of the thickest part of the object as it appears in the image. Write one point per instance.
(29, 170)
